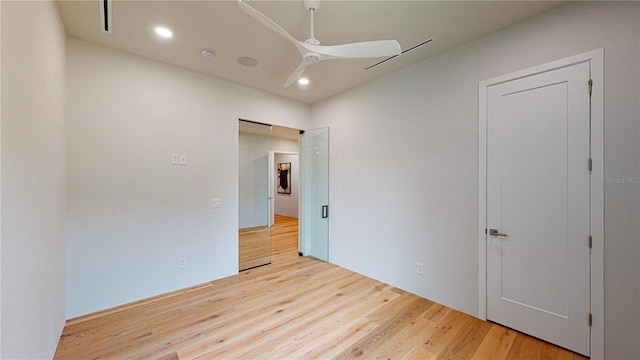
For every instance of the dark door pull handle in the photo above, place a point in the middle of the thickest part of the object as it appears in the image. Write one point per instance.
(325, 211)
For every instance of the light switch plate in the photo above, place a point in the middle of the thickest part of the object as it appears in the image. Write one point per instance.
(183, 159)
(215, 203)
(175, 159)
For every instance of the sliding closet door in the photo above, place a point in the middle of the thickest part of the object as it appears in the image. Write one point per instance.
(254, 233)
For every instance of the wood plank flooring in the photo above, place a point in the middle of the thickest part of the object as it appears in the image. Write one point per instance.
(262, 245)
(284, 238)
(254, 247)
(295, 308)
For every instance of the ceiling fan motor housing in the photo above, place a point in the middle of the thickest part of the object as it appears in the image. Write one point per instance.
(312, 5)
(312, 58)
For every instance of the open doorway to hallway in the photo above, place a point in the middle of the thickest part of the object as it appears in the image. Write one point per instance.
(268, 192)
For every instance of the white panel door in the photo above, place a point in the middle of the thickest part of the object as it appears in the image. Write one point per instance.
(538, 259)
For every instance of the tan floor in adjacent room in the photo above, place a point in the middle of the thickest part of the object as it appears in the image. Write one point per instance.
(262, 245)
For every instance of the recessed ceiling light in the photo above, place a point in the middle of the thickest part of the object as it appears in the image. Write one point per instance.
(163, 32)
(303, 81)
(207, 53)
(247, 61)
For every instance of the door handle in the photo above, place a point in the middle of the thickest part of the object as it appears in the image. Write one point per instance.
(495, 232)
(325, 211)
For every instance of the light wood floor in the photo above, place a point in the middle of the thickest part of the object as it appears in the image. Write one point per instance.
(295, 308)
(262, 245)
(254, 247)
(284, 239)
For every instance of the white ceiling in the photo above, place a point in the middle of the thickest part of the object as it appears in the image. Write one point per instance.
(231, 33)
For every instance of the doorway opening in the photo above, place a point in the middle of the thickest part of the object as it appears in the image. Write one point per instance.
(540, 264)
(268, 194)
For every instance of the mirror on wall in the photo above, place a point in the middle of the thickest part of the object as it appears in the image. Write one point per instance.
(268, 194)
(254, 233)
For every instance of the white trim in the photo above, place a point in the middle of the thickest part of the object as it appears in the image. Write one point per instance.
(597, 203)
(285, 152)
(482, 199)
(271, 170)
(0, 184)
(596, 59)
(301, 197)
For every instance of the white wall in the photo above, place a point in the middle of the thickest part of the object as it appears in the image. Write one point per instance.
(253, 190)
(414, 133)
(638, 196)
(131, 214)
(287, 204)
(0, 182)
(33, 179)
(284, 145)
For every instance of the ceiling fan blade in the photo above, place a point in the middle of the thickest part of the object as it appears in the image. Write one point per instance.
(312, 52)
(365, 49)
(297, 74)
(262, 18)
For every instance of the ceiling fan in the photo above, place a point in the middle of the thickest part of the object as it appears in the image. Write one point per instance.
(311, 50)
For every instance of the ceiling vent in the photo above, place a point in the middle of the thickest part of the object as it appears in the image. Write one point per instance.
(105, 15)
(402, 53)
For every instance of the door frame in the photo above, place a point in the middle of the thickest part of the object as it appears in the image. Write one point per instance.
(272, 182)
(304, 216)
(271, 169)
(596, 211)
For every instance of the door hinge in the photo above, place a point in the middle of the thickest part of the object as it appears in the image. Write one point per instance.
(590, 319)
(590, 241)
(590, 86)
(590, 164)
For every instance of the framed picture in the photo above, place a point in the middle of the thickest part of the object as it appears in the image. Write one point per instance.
(284, 178)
